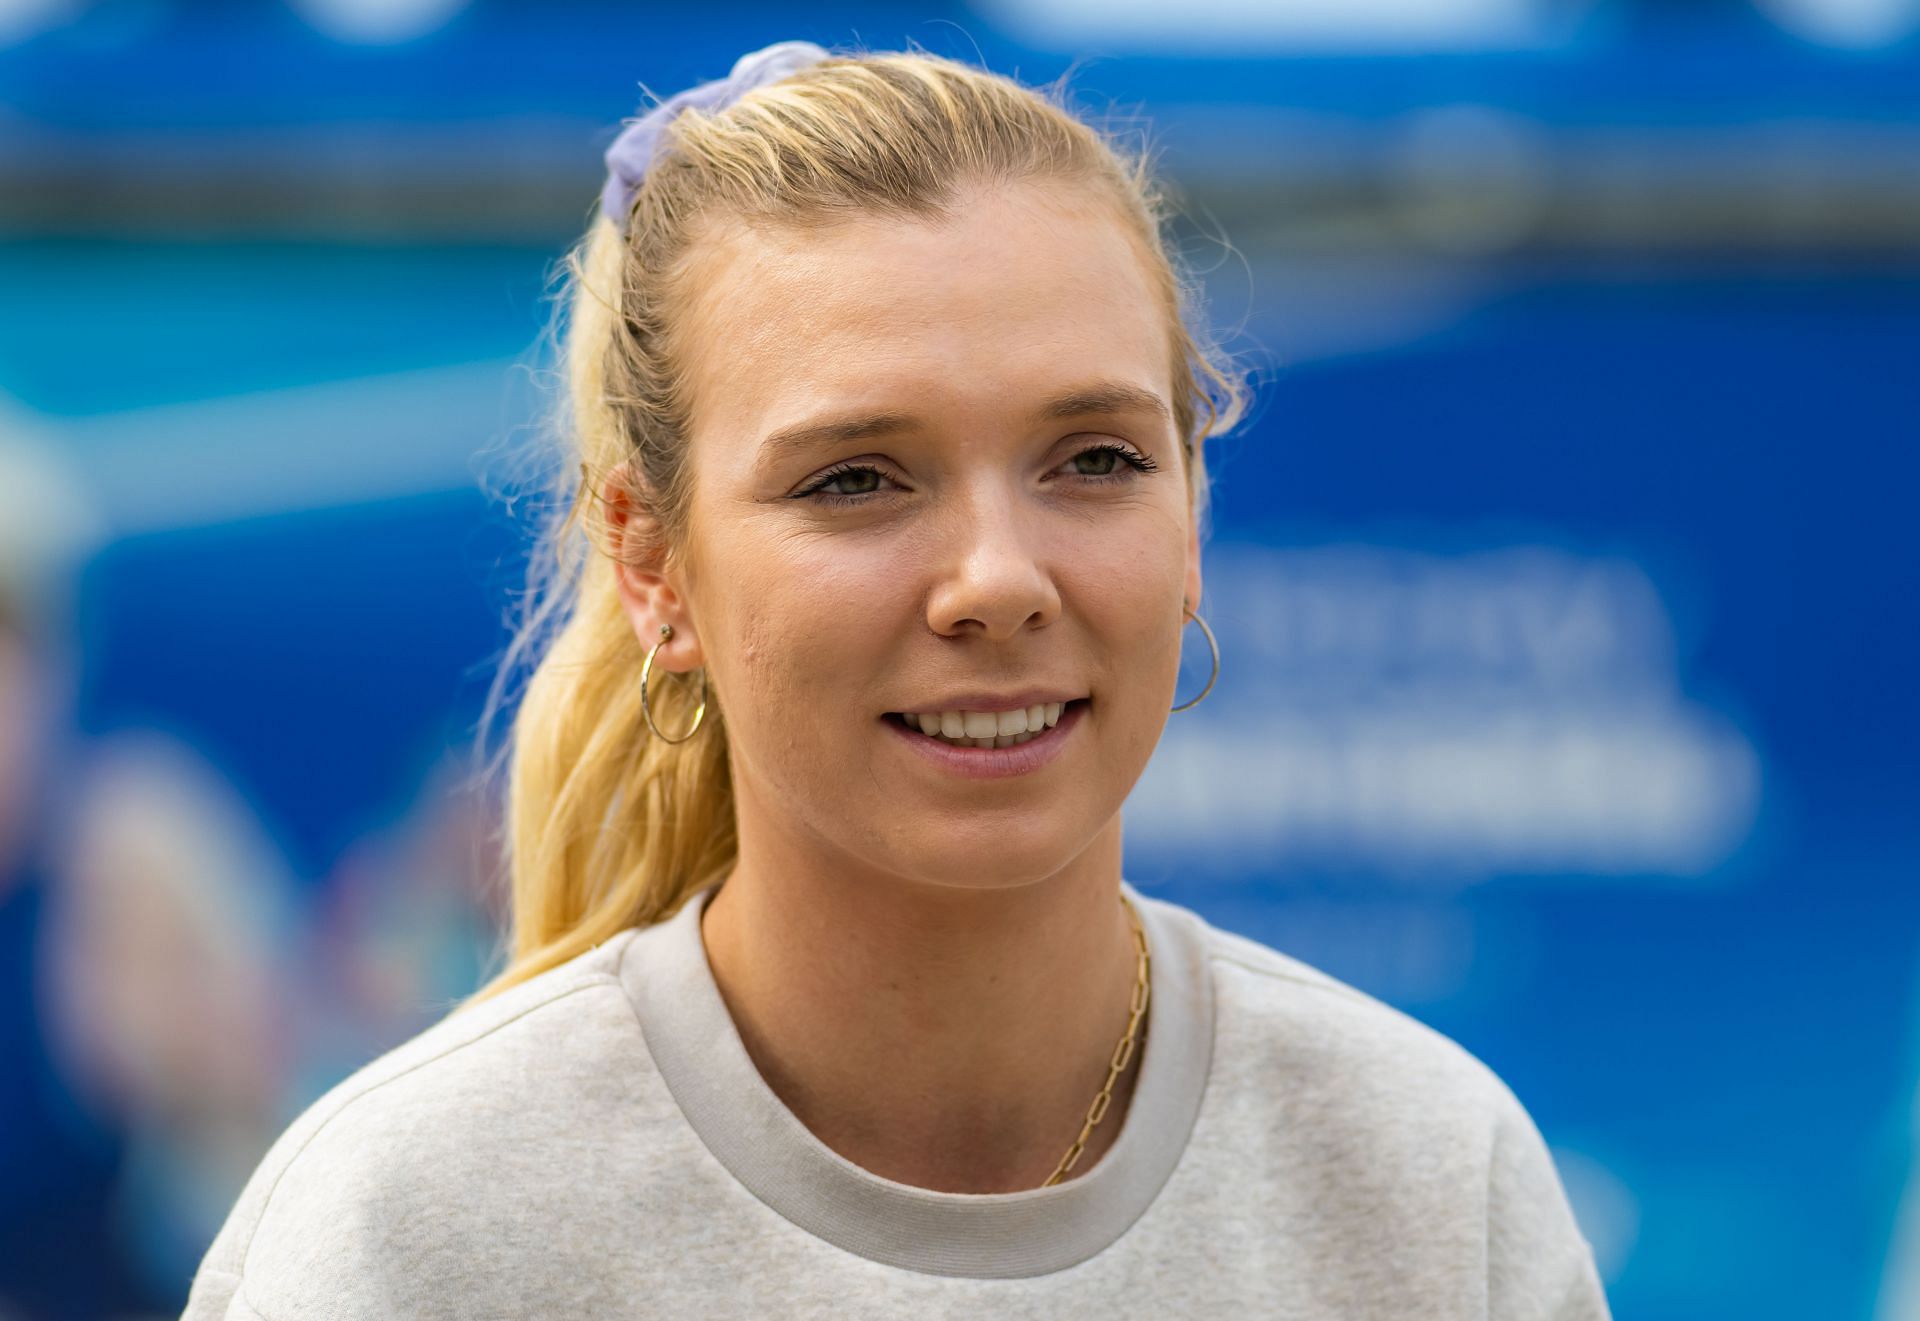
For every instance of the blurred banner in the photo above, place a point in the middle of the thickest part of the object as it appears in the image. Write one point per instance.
(1564, 578)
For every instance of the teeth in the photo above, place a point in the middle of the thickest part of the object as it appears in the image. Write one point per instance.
(988, 729)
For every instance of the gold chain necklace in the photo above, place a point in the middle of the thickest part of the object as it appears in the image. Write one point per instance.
(1122, 1053)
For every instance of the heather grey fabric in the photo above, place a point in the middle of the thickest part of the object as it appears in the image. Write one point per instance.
(596, 1142)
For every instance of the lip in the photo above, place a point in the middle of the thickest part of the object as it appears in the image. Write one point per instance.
(993, 763)
(979, 700)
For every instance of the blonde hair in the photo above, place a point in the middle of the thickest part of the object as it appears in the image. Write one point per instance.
(608, 827)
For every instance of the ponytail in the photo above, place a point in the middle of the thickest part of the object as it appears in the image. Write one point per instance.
(607, 826)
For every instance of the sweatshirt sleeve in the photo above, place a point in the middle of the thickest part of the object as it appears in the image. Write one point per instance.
(1540, 1266)
(218, 1290)
(216, 1294)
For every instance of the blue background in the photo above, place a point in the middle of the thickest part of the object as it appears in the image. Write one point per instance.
(1720, 1044)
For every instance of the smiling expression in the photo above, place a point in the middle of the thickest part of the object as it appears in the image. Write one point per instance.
(935, 469)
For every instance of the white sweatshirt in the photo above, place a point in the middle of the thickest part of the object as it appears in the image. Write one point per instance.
(597, 1142)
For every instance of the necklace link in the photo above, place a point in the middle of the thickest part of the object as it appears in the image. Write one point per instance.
(1122, 1053)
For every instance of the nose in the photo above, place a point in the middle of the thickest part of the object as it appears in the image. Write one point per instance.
(994, 579)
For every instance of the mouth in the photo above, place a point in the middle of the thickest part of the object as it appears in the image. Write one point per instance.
(1037, 723)
(974, 759)
(1002, 755)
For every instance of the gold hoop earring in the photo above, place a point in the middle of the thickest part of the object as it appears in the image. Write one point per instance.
(1212, 646)
(646, 708)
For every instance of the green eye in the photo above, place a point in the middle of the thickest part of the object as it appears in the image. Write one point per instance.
(1114, 455)
(1107, 459)
(855, 475)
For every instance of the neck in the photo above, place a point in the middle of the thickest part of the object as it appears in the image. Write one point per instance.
(945, 1037)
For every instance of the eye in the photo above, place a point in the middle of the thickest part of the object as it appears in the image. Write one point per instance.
(1114, 455)
(855, 472)
(1112, 462)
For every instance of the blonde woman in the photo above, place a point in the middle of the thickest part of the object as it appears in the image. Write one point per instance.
(827, 994)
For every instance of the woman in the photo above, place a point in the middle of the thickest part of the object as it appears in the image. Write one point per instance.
(828, 996)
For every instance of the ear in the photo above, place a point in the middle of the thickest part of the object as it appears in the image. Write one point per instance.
(1193, 567)
(648, 595)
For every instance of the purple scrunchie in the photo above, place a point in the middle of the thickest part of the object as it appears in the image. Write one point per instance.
(632, 152)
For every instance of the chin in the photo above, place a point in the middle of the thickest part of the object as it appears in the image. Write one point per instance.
(990, 853)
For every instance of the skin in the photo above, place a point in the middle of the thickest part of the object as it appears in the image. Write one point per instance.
(931, 972)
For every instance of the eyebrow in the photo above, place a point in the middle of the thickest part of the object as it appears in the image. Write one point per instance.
(1102, 398)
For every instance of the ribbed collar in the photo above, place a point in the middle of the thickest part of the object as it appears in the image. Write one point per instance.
(698, 1051)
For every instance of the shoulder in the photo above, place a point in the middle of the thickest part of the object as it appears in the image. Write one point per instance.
(429, 1118)
(1342, 1090)
(544, 1028)
(1303, 1059)
(1279, 1012)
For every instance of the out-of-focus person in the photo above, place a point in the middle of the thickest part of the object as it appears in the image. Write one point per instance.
(143, 933)
(171, 970)
(58, 1166)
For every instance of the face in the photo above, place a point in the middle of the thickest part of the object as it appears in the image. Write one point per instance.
(934, 470)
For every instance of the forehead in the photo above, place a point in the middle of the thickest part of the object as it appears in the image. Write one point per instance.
(1018, 292)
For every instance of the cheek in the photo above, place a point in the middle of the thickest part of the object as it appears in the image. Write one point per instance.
(1131, 606)
(804, 628)
(1130, 580)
